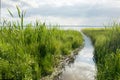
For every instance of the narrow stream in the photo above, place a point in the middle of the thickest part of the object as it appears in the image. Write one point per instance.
(83, 67)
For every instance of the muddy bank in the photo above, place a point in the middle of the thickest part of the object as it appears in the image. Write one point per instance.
(83, 67)
(65, 60)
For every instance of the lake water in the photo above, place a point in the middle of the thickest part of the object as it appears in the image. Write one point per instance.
(77, 28)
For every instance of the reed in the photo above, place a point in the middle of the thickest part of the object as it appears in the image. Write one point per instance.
(107, 51)
(30, 52)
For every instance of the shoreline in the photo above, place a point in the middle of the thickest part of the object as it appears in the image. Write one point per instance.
(64, 61)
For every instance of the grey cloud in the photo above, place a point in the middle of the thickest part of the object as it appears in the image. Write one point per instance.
(8, 5)
(104, 12)
(75, 11)
(70, 11)
(15, 0)
(4, 5)
(65, 11)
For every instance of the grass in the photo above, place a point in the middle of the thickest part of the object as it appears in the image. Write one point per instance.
(34, 51)
(107, 51)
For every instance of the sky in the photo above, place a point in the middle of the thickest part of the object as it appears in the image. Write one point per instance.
(65, 12)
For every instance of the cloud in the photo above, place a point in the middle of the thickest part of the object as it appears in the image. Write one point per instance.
(66, 11)
(5, 5)
(75, 11)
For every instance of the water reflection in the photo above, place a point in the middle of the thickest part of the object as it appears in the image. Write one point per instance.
(83, 67)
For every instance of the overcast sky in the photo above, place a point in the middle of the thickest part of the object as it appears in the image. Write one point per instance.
(73, 12)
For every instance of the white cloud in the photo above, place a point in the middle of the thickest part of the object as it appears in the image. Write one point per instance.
(91, 12)
(32, 3)
(10, 2)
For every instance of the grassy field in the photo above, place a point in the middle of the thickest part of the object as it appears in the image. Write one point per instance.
(107, 51)
(32, 53)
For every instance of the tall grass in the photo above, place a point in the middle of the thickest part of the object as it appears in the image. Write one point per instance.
(33, 52)
(107, 51)
(21, 15)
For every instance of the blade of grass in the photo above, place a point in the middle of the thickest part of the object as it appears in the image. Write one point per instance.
(18, 9)
(10, 13)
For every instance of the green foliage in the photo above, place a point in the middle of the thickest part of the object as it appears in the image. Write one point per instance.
(34, 51)
(107, 51)
(30, 53)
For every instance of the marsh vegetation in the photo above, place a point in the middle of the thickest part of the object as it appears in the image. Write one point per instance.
(29, 52)
(107, 51)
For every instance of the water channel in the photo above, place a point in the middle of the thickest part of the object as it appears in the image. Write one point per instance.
(83, 67)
